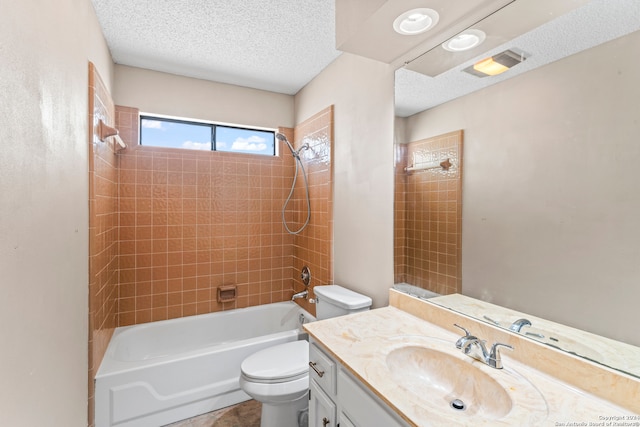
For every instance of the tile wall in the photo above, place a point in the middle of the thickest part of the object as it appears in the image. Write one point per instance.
(190, 222)
(168, 227)
(313, 246)
(399, 220)
(428, 219)
(103, 230)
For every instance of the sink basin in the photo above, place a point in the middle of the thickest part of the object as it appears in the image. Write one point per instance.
(448, 382)
(433, 375)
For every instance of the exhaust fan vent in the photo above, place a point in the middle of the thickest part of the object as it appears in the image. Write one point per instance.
(496, 64)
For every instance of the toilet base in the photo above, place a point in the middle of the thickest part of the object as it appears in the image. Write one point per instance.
(284, 414)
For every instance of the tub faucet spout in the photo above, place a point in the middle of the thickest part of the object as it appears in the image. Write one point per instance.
(302, 294)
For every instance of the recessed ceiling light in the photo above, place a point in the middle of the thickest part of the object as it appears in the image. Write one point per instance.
(416, 21)
(466, 40)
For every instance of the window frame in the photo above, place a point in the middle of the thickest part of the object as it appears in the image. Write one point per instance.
(214, 127)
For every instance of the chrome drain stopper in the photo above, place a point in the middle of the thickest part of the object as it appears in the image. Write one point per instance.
(458, 405)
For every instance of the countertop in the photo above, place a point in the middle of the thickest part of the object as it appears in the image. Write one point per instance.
(362, 343)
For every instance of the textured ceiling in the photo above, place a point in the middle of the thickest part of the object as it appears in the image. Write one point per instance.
(277, 46)
(281, 45)
(594, 23)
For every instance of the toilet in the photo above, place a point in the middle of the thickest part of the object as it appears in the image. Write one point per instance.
(278, 376)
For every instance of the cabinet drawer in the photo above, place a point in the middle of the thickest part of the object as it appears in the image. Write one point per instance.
(322, 369)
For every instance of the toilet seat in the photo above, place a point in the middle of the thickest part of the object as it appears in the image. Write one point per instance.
(278, 376)
(280, 363)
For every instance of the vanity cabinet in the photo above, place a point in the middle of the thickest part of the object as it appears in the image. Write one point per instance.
(322, 410)
(337, 399)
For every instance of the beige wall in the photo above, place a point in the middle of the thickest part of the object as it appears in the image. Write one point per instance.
(162, 93)
(362, 92)
(550, 189)
(44, 211)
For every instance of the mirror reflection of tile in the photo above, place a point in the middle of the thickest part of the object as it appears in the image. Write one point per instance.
(428, 220)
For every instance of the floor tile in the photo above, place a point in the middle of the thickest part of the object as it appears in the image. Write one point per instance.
(245, 414)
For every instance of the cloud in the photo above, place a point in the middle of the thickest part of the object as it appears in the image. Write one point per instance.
(192, 145)
(152, 124)
(253, 143)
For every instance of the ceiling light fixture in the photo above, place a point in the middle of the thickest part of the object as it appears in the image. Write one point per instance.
(466, 40)
(416, 21)
(496, 64)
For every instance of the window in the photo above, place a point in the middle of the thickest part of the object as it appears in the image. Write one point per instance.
(241, 140)
(171, 133)
(166, 133)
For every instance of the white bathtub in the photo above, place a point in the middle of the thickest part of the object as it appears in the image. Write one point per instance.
(158, 373)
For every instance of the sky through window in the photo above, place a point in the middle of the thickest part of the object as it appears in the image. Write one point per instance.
(167, 133)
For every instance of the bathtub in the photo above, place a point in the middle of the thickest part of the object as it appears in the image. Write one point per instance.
(158, 373)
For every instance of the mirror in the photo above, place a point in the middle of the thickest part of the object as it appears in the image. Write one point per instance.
(550, 194)
(615, 354)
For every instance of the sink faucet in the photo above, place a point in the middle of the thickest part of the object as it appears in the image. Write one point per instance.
(474, 347)
(302, 294)
(518, 324)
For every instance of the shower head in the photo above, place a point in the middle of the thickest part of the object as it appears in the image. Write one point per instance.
(282, 137)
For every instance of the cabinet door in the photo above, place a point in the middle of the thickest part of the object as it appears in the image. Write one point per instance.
(322, 411)
(345, 421)
(360, 408)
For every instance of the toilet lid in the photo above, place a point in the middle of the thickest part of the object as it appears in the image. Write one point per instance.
(277, 363)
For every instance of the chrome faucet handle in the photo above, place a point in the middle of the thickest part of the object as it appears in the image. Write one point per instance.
(463, 340)
(466, 333)
(494, 359)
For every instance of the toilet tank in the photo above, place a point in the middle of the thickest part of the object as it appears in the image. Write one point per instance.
(334, 300)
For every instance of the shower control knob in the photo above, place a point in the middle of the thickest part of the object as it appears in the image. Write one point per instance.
(325, 421)
(305, 275)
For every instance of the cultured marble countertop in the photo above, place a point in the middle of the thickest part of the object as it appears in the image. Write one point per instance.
(362, 343)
